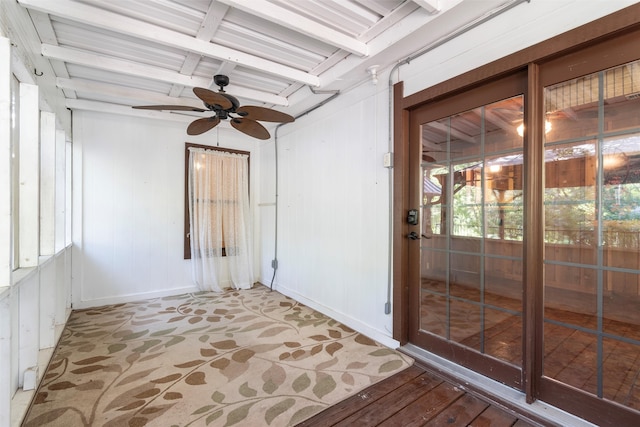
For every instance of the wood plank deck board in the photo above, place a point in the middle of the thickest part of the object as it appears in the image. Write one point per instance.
(393, 402)
(363, 399)
(493, 416)
(460, 413)
(416, 397)
(425, 408)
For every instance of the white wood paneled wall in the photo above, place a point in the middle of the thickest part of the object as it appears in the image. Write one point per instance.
(129, 206)
(333, 210)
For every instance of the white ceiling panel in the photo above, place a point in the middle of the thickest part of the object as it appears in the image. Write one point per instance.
(122, 53)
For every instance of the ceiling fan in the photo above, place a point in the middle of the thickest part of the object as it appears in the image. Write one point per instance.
(224, 106)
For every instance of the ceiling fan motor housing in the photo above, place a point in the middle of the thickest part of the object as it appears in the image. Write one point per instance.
(234, 102)
(221, 81)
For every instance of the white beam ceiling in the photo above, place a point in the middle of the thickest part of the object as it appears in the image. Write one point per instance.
(208, 28)
(107, 54)
(301, 24)
(430, 6)
(147, 71)
(113, 22)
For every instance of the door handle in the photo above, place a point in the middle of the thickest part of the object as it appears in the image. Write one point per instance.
(413, 236)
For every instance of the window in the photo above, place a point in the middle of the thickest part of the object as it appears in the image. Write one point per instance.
(592, 229)
(187, 223)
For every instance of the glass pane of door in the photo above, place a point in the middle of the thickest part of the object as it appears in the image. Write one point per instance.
(592, 229)
(471, 247)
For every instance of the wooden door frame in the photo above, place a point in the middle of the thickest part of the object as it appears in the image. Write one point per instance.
(546, 53)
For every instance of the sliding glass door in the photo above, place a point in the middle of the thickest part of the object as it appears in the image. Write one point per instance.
(592, 236)
(468, 305)
(554, 147)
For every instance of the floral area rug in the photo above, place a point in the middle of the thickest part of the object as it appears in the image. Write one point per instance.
(247, 358)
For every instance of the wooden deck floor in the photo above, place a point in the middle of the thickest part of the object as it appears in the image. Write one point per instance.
(416, 397)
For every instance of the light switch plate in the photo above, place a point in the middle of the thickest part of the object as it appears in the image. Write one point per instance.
(388, 160)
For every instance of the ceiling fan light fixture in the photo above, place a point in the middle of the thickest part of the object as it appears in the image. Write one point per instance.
(547, 128)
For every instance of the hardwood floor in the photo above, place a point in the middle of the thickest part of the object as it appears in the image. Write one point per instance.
(416, 397)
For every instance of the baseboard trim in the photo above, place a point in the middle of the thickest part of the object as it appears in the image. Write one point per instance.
(79, 305)
(355, 324)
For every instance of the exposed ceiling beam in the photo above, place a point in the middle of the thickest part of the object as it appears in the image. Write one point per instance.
(417, 32)
(121, 66)
(114, 22)
(391, 19)
(453, 132)
(299, 23)
(137, 96)
(146, 71)
(492, 117)
(378, 8)
(105, 107)
(48, 35)
(226, 68)
(208, 28)
(430, 6)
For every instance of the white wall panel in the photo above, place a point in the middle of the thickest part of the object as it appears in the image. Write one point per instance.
(14, 323)
(266, 212)
(130, 245)
(333, 210)
(29, 315)
(6, 392)
(47, 303)
(63, 287)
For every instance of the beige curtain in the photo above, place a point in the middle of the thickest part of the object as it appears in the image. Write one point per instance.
(221, 237)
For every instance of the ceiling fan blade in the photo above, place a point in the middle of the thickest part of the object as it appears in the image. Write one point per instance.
(264, 114)
(168, 107)
(202, 125)
(211, 98)
(251, 128)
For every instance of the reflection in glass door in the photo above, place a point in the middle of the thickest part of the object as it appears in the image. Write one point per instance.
(592, 235)
(471, 246)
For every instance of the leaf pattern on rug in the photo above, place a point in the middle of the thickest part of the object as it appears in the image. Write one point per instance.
(251, 357)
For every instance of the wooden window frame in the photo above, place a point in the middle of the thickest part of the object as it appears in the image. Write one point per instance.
(187, 220)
